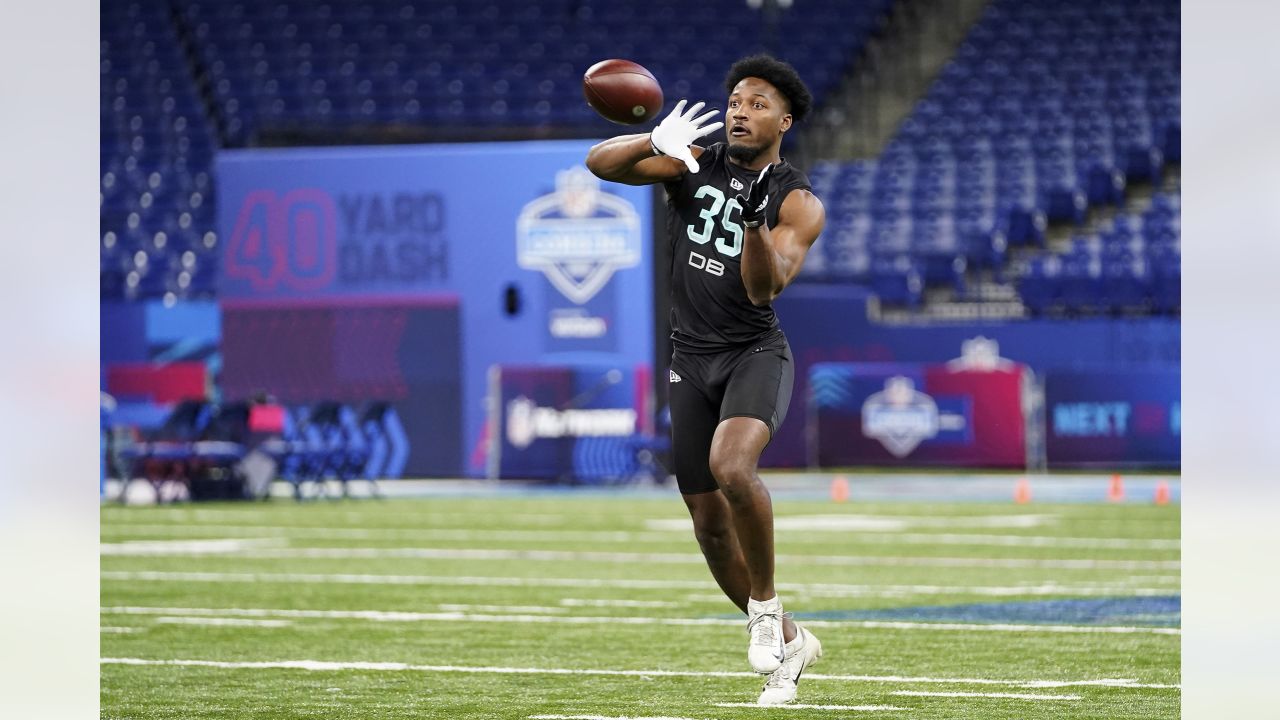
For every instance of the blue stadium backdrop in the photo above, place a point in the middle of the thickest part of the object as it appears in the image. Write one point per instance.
(405, 273)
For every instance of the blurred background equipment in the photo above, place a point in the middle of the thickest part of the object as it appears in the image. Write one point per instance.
(1003, 170)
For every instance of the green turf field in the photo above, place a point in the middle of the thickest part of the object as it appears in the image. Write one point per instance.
(588, 605)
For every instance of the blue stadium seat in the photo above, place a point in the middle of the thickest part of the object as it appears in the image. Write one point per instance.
(1046, 109)
(168, 66)
(1040, 286)
(898, 280)
(1126, 284)
(154, 139)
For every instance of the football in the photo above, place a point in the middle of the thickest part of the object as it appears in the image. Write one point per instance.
(622, 91)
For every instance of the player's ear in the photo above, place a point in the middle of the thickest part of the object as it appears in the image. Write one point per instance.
(786, 122)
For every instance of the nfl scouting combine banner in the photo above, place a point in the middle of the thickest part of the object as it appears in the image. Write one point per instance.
(404, 273)
(912, 415)
(1113, 418)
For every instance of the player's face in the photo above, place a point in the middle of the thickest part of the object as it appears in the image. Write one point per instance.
(756, 115)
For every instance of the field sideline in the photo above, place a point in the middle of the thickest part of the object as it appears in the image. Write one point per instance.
(594, 605)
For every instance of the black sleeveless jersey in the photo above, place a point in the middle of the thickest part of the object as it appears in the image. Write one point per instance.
(710, 310)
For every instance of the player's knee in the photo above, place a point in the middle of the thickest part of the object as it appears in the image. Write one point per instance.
(735, 476)
(711, 525)
(725, 469)
(714, 536)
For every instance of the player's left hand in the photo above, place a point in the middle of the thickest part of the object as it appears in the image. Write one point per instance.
(757, 199)
(677, 131)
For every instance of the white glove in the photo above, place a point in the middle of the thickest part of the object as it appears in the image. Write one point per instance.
(677, 131)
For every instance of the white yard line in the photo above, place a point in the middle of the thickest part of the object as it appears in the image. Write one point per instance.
(183, 548)
(1003, 696)
(189, 515)
(331, 666)
(606, 602)
(1139, 579)
(795, 589)
(460, 534)
(213, 546)
(409, 616)
(1091, 543)
(464, 607)
(219, 621)
(802, 706)
(905, 591)
(360, 579)
(1003, 627)
(845, 522)
(912, 680)
(1105, 682)
(805, 537)
(606, 717)
(118, 629)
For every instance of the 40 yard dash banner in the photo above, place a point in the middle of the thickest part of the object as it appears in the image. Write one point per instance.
(402, 274)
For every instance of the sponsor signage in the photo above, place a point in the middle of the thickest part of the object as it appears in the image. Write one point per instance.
(573, 423)
(1110, 418)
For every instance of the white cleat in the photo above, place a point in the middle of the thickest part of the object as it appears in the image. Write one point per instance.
(802, 652)
(767, 649)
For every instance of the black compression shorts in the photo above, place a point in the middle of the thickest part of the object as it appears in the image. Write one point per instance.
(753, 381)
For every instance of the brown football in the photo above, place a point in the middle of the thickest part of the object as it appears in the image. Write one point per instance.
(622, 91)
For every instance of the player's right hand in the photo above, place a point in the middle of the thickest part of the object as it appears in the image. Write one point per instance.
(677, 131)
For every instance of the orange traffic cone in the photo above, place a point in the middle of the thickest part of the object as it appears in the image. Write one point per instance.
(1162, 493)
(839, 489)
(1115, 493)
(1022, 491)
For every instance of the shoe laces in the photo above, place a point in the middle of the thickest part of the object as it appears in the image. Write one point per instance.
(778, 678)
(763, 633)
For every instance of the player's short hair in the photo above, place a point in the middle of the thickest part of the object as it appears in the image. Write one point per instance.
(777, 73)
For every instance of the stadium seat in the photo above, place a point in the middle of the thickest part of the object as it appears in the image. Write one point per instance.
(181, 78)
(898, 280)
(1046, 110)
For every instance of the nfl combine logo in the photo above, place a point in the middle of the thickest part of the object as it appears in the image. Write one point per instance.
(900, 416)
(578, 235)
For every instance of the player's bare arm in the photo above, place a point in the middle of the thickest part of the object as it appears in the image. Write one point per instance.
(659, 156)
(772, 257)
(629, 159)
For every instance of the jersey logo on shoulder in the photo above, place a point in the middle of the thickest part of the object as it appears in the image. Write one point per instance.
(674, 377)
(735, 184)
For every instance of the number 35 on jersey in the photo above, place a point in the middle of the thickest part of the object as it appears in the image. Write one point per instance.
(730, 244)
